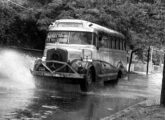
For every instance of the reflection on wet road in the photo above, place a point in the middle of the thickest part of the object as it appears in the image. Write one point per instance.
(19, 99)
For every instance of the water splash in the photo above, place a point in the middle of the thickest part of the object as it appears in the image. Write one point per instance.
(14, 70)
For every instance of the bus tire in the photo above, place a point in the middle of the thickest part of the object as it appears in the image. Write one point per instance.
(116, 80)
(86, 84)
(119, 74)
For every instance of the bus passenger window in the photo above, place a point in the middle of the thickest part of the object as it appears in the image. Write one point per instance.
(95, 39)
(106, 42)
(117, 44)
(113, 43)
(121, 45)
(103, 42)
(124, 46)
(109, 43)
(98, 42)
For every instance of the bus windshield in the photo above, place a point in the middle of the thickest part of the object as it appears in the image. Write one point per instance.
(84, 38)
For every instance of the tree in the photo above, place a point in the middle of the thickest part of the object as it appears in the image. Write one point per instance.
(142, 22)
(7, 17)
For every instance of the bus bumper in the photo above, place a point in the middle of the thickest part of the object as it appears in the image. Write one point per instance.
(58, 75)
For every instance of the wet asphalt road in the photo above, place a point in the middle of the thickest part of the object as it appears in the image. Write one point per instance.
(19, 99)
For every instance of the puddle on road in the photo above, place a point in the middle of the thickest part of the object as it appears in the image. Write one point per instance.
(50, 104)
(75, 106)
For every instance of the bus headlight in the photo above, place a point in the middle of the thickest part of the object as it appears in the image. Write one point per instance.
(38, 61)
(43, 58)
(79, 63)
(87, 55)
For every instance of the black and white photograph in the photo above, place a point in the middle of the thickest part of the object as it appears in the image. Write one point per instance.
(82, 59)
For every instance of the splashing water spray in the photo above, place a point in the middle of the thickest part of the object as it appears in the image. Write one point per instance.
(15, 70)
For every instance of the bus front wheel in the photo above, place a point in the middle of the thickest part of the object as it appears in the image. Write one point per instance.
(119, 74)
(86, 84)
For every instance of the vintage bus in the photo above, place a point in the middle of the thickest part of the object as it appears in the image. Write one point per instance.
(82, 51)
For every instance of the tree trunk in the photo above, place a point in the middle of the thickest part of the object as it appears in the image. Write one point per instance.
(130, 62)
(162, 99)
(148, 60)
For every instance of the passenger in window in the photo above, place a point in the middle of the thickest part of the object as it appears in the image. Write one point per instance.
(102, 42)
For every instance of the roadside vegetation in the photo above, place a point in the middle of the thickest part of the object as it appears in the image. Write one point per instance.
(25, 23)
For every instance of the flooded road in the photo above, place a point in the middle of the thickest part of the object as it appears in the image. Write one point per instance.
(19, 99)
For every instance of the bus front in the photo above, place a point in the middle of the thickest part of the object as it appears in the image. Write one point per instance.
(68, 52)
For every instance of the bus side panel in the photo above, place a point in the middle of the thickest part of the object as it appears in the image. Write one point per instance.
(114, 57)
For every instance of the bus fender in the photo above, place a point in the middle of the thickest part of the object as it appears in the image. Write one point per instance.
(90, 65)
(81, 66)
(85, 66)
(93, 67)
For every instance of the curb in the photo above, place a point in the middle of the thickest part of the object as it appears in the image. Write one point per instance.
(148, 102)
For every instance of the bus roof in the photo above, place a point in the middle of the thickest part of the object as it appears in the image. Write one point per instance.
(80, 25)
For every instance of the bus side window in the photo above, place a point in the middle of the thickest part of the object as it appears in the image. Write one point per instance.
(106, 42)
(113, 43)
(124, 45)
(109, 43)
(117, 44)
(121, 44)
(95, 39)
(103, 42)
(99, 41)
